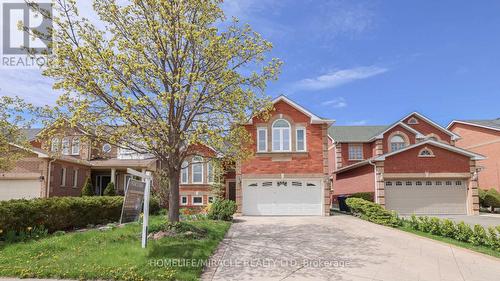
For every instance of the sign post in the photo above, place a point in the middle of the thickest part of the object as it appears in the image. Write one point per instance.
(132, 200)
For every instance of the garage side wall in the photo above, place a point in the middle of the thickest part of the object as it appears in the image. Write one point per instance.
(361, 179)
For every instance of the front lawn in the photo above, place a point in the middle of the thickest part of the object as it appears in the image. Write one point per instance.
(113, 254)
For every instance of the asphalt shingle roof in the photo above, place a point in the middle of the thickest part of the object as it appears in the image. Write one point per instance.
(494, 123)
(30, 134)
(354, 133)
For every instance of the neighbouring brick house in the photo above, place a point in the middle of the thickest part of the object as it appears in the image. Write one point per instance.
(288, 173)
(59, 166)
(411, 166)
(482, 136)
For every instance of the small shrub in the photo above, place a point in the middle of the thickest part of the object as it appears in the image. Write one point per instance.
(479, 237)
(448, 228)
(110, 190)
(435, 226)
(424, 224)
(482, 194)
(493, 239)
(372, 212)
(492, 198)
(414, 222)
(87, 189)
(368, 196)
(464, 232)
(222, 210)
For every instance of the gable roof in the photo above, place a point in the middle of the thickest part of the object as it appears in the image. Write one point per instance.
(354, 133)
(380, 135)
(31, 134)
(493, 124)
(472, 155)
(434, 124)
(315, 119)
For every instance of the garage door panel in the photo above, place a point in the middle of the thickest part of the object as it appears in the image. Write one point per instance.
(290, 197)
(426, 196)
(19, 189)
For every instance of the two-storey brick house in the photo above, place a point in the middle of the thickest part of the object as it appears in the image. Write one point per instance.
(288, 173)
(411, 166)
(482, 136)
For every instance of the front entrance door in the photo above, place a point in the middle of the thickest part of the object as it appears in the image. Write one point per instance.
(232, 191)
(101, 183)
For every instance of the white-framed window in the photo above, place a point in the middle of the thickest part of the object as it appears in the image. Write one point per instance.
(75, 178)
(54, 146)
(210, 172)
(397, 143)
(355, 152)
(210, 199)
(63, 176)
(261, 139)
(197, 200)
(184, 172)
(281, 135)
(106, 148)
(197, 170)
(300, 138)
(75, 146)
(184, 200)
(65, 146)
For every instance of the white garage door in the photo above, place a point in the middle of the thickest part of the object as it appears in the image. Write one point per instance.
(426, 197)
(17, 189)
(282, 197)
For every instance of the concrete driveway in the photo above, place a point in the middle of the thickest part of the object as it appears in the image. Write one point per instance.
(339, 248)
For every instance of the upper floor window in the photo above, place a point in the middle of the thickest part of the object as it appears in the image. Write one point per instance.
(197, 170)
(54, 147)
(65, 146)
(397, 143)
(281, 135)
(426, 152)
(355, 152)
(300, 139)
(210, 172)
(184, 172)
(261, 139)
(75, 146)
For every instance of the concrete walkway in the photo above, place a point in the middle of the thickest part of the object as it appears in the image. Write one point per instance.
(339, 248)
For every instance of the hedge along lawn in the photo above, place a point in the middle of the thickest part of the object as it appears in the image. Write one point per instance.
(470, 246)
(113, 254)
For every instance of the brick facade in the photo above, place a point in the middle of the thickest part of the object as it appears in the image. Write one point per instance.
(486, 142)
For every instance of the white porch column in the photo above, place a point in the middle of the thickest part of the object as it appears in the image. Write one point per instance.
(143, 170)
(113, 175)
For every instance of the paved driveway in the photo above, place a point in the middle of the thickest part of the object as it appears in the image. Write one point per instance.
(339, 248)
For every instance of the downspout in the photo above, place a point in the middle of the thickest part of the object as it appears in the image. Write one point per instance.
(375, 179)
(49, 172)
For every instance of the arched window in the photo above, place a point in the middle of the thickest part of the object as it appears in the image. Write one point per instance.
(281, 135)
(54, 145)
(397, 143)
(65, 146)
(197, 170)
(75, 146)
(184, 172)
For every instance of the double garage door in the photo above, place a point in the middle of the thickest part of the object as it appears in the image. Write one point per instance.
(282, 197)
(18, 189)
(426, 196)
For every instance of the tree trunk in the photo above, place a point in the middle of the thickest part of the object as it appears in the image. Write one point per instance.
(173, 200)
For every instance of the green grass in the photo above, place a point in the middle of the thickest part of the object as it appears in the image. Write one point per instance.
(114, 254)
(470, 246)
